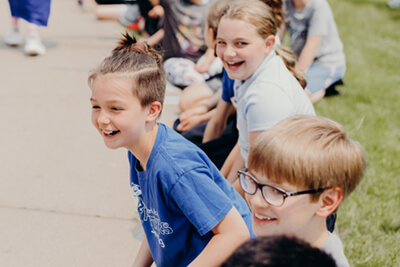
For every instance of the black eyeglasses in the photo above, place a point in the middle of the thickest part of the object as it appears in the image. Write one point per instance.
(272, 194)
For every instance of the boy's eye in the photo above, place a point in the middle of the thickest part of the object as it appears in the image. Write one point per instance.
(220, 42)
(95, 107)
(116, 109)
(241, 44)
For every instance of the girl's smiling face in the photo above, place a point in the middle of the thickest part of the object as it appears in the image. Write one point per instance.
(116, 111)
(240, 47)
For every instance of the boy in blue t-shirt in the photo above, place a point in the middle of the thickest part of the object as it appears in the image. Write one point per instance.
(190, 214)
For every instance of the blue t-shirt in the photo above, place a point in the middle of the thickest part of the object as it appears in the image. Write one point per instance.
(181, 197)
(227, 87)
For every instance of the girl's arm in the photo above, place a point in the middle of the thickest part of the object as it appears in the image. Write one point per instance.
(239, 162)
(229, 234)
(216, 125)
(308, 53)
(230, 160)
(144, 257)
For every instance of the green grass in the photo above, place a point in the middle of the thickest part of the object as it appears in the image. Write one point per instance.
(369, 109)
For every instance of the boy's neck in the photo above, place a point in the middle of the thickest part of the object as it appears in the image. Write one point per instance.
(143, 150)
(300, 4)
(317, 233)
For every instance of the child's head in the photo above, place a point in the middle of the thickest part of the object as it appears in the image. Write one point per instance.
(139, 63)
(279, 251)
(242, 25)
(301, 153)
(245, 37)
(309, 151)
(128, 90)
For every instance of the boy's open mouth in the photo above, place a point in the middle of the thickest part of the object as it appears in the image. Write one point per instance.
(263, 218)
(110, 133)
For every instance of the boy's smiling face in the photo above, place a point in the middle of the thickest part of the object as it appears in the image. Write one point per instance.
(116, 112)
(297, 216)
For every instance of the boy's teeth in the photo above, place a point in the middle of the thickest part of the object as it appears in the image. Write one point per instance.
(262, 217)
(109, 132)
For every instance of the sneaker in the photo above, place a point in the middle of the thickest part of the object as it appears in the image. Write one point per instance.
(34, 46)
(13, 38)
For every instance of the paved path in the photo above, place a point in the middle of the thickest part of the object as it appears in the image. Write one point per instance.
(65, 198)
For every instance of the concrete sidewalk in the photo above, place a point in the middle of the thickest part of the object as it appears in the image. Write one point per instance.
(65, 198)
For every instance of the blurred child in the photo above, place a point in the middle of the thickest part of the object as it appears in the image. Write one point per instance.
(316, 43)
(304, 167)
(195, 99)
(187, 59)
(266, 90)
(190, 214)
(278, 251)
(36, 13)
(136, 16)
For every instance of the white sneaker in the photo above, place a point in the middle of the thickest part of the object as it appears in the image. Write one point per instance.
(34, 46)
(13, 38)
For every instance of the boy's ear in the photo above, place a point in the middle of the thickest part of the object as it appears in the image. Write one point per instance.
(329, 201)
(154, 110)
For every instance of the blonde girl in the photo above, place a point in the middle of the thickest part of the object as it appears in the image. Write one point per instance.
(267, 86)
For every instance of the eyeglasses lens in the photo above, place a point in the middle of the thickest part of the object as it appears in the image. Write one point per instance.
(272, 195)
(247, 184)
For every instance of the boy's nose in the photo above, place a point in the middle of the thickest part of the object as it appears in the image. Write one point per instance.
(103, 118)
(258, 199)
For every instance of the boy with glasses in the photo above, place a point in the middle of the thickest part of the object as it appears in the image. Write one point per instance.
(298, 173)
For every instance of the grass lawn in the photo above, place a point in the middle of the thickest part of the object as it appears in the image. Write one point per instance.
(369, 109)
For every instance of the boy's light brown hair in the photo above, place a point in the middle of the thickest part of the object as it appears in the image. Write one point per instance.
(141, 63)
(310, 152)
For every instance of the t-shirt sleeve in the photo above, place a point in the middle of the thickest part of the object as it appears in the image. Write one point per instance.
(319, 21)
(267, 104)
(227, 87)
(198, 197)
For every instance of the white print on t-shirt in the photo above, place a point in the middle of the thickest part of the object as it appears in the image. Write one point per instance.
(158, 227)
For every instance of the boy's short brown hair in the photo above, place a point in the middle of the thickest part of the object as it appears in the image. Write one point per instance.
(309, 151)
(141, 63)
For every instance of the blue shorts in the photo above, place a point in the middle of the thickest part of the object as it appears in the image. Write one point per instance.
(33, 11)
(320, 77)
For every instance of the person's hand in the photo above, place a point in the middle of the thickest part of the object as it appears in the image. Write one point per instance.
(191, 118)
(189, 123)
(199, 110)
(156, 12)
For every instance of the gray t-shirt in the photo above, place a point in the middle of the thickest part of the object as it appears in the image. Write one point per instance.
(334, 247)
(316, 18)
(183, 28)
